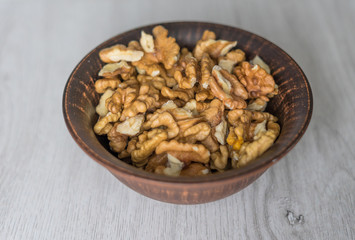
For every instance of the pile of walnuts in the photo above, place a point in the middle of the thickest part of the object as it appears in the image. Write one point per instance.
(171, 111)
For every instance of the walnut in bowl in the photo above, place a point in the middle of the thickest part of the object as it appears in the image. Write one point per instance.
(291, 108)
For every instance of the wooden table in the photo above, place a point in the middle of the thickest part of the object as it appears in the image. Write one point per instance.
(50, 189)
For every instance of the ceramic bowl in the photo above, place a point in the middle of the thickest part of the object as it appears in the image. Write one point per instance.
(292, 106)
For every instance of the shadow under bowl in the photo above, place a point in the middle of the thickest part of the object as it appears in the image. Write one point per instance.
(293, 107)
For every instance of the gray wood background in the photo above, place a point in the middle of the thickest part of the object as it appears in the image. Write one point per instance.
(50, 189)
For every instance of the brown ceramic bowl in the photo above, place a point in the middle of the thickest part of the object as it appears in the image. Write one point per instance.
(293, 107)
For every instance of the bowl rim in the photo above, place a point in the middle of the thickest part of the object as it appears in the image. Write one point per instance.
(127, 169)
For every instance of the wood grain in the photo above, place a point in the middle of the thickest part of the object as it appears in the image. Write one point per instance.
(49, 188)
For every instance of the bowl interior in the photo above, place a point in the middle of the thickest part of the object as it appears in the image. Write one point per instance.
(293, 104)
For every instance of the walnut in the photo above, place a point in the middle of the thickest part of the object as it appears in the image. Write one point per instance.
(167, 49)
(204, 94)
(231, 59)
(231, 102)
(102, 85)
(229, 83)
(207, 34)
(235, 138)
(238, 116)
(250, 151)
(185, 152)
(188, 77)
(187, 123)
(249, 127)
(174, 166)
(163, 119)
(131, 146)
(144, 66)
(208, 44)
(256, 80)
(214, 113)
(220, 158)
(114, 69)
(210, 143)
(206, 68)
(122, 97)
(140, 105)
(118, 141)
(147, 65)
(177, 113)
(155, 82)
(257, 104)
(194, 169)
(132, 82)
(274, 93)
(169, 80)
(228, 89)
(103, 125)
(183, 94)
(148, 99)
(147, 42)
(221, 131)
(101, 108)
(198, 132)
(118, 53)
(131, 126)
(196, 107)
(156, 161)
(135, 46)
(147, 143)
(258, 61)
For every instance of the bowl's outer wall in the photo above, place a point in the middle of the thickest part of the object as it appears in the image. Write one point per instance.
(293, 107)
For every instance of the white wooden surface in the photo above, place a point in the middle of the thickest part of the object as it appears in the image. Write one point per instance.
(50, 189)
